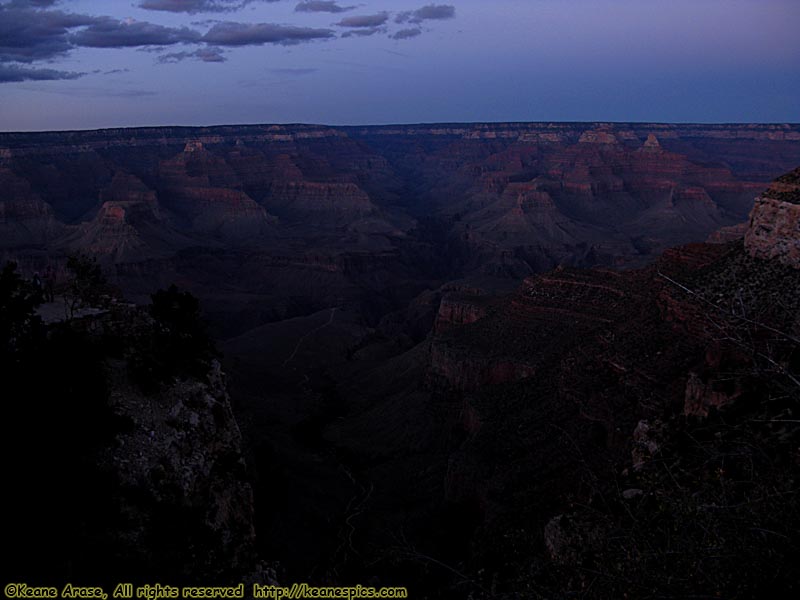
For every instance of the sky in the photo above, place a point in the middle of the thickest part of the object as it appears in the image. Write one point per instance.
(84, 64)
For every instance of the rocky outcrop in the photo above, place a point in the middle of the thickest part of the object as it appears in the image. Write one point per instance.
(598, 136)
(127, 414)
(458, 309)
(651, 144)
(774, 230)
(724, 235)
(181, 459)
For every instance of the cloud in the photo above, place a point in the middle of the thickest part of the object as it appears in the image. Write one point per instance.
(196, 6)
(11, 74)
(106, 32)
(255, 34)
(125, 93)
(294, 72)
(28, 35)
(364, 32)
(430, 12)
(328, 6)
(83, 91)
(209, 55)
(31, 31)
(365, 20)
(33, 3)
(405, 34)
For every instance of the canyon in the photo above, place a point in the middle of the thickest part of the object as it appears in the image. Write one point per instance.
(459, 355)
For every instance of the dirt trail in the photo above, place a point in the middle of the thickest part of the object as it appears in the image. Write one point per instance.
(312, 332)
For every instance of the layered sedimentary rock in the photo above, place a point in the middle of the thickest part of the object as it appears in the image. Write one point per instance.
(381, 213)
(25, 220)
(205, 191)
(774, 230)
(129, 226)
(519, 197)
(458, 309)
(604, 198)
(509, 339)
(724, 235)
(319, 203)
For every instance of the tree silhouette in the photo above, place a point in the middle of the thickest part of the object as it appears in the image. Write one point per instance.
(87, 285)
(20, 327)
(177, 346)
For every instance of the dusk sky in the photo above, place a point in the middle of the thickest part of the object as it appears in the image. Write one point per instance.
(78, 64)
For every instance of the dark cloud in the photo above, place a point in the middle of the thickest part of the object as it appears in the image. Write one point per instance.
(254, 34)
(32, 3)
(106, 32)
(364, 32)
(328, 6)
(10, 74)
(28, 35)
(196, 6)
(205, 23)
(209, 55)
(31, 31)
(365, 20)
(405, 34)
(430, 12)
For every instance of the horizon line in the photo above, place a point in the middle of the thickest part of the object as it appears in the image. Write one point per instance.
(402, 124)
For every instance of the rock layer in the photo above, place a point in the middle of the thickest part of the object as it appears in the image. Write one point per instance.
(774, 230)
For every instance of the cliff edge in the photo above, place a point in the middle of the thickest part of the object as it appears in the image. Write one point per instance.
(774, 231)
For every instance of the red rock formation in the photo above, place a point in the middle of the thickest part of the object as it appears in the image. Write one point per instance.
(516, 334)
(203, 189)
(519, 197)
(652, 144)
(724, 235)
(599, 192)
(319, 203)
(458, 309)
(601, 135)
(774, 231)
(129, 226)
